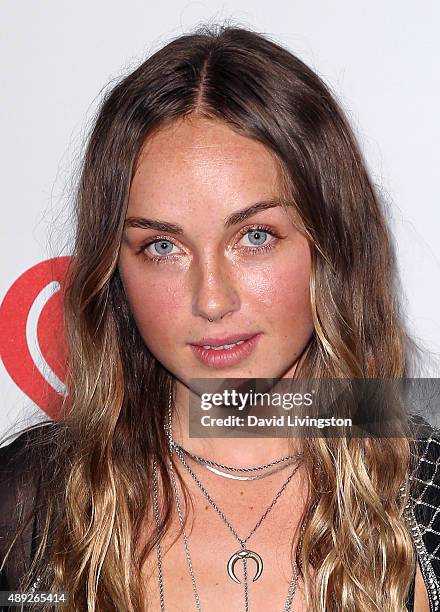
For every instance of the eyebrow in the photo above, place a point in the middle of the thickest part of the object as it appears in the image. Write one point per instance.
(232, 219)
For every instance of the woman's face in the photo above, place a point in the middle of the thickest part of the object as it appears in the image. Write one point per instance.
(201, 252)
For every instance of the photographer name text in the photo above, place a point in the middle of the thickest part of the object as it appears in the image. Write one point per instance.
(283, 420)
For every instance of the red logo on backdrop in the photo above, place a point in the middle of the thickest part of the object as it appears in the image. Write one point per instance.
(32, 342)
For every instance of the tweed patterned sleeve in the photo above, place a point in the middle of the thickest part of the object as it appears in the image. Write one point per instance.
(424, 512)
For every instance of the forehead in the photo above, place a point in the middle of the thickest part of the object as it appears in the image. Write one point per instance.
(201, 161)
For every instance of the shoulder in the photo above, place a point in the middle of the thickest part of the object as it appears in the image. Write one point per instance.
(22, 465)
(424, 506)
(29, 447)
(425, 473)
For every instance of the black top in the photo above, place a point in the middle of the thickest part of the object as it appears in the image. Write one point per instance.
(20, 479)
(424, 516)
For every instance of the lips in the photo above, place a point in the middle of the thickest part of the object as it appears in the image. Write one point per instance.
(225, 357)
(231, 339)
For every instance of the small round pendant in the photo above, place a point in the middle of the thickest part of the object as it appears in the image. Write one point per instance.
(244, 553)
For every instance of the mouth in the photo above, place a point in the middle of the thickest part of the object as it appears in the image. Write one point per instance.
(226, 351)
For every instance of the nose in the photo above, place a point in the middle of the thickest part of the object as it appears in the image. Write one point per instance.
(215, 293)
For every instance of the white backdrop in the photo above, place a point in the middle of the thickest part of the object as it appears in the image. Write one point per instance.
(380, 58)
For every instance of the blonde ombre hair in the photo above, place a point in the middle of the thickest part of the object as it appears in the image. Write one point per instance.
(97, 487)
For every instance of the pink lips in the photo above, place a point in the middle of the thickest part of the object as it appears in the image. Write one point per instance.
(222, 358)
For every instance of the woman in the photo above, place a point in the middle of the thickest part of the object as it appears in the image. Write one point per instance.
(223, 199)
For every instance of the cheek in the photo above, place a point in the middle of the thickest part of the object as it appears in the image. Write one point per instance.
(282, 298)
(282, 287)
(156, 307)
(293, 295)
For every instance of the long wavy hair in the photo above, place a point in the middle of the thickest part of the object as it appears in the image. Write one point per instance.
(95, 497)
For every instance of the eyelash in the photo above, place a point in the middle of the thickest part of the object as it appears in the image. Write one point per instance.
(253, 251)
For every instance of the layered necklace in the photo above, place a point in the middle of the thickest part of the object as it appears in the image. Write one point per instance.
(243, 553)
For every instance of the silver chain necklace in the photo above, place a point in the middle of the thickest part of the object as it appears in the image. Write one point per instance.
(213, 466)
(243, 554)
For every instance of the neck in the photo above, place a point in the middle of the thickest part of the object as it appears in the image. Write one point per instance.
(234, 451)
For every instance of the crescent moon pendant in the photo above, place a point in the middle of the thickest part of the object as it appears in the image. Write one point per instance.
(245, 554)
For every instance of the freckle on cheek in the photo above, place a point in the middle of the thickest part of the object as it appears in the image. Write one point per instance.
(261, 286)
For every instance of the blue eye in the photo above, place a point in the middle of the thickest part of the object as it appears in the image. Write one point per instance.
(163, 247)
(162, 250)
(260, 236)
